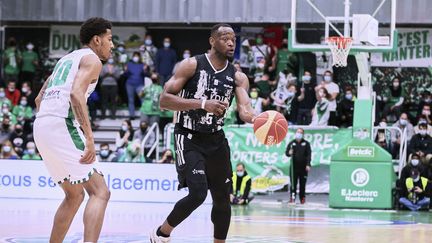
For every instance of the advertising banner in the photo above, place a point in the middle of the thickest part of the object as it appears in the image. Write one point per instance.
(414, 50)
(65, 38)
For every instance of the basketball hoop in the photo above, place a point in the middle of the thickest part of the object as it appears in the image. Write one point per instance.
(340, 47)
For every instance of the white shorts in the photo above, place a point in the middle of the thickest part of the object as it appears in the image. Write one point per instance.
(61, 144)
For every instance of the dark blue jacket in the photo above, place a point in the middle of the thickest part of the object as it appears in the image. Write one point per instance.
(166, 58)
(135, 73)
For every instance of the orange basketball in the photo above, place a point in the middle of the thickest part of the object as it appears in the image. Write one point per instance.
(270, 127)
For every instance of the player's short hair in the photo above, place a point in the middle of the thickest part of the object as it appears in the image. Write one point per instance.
(93, 26)
(215, 28)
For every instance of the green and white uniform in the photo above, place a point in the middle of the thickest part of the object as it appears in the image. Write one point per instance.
(57, 134)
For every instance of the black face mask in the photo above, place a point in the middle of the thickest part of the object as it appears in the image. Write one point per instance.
(18, 130)
(143, 129)
(6, 126)
(284, 45)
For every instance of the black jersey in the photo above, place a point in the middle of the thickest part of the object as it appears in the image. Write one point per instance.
(212, 85)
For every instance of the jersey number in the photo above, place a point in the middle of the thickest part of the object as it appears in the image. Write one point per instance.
(60, 73)
(209, 118)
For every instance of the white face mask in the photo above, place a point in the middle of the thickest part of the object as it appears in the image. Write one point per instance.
(111, 61)
(6, 149)
(121, 49)
(104, 152)
(166, 44)
(30, 47)
(290, 94)
(135, 59)
(298, 136)
(5, 110)
(23, 102)
(186, 55)
(306, 78)
(24, 90)
(426, 112)
(423, 132)
(348, 96)
(240, 173)
(416, 179)
(2, 94)
(124, 128)
(148, 42)
(403, 122)
(31, 151)
(382, 124)
(414, 162)
(260, 65)
(327, 78)
(395, 84)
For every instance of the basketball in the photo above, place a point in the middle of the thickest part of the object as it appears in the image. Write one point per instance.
(270, 127)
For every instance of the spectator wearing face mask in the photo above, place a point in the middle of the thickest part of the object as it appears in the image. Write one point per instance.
(396, 99)
(150, 101)
(186, 55)
(105, 154)
(426, 113)
(125, 135)
(30, 61)
(261, 52)
(148, 51)
(403, 124)
(282, 56)
(321, 111)
(300, 151)
(27, 92)
(383, 136)
(333, 91)
(121, 55)
(306, 99)
(414, 163)
(18, 139)
(256, 101)
(7, 151)
(423, 120)
(240, 192)
(30, 153)
(11, 60)
(421, 144)
(6, 112)
(23, 108)
(416, 192)
(166, 58)
(12, 93)
(4, 99)
(140, 135)
(135, 81)
(286, 101)
(346, 109)
(109, 87)
(167, 157)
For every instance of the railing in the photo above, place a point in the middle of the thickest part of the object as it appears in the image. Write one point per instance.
(154, 128)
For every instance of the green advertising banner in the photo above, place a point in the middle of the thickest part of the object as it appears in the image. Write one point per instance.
(65, 38)
(268, 165)
(414, 50)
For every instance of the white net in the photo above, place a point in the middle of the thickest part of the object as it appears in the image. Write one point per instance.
(340, 47)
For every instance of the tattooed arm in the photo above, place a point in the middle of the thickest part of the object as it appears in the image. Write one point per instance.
(38, 99)
(88, 72)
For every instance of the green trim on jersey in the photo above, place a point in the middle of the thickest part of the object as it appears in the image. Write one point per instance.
(73, 132)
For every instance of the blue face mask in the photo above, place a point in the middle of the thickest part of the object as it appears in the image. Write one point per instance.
(327, 78)
(298, 136)
(104, 153)
(348, 96)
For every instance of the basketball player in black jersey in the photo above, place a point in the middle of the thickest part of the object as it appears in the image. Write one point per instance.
(201, 91)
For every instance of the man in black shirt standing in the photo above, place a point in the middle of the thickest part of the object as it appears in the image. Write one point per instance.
(200, 91)
(300, 151)
(306, 99)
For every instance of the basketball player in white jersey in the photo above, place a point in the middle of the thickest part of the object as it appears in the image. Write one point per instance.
(63, 134)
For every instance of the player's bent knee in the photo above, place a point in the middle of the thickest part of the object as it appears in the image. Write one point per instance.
(77, 197)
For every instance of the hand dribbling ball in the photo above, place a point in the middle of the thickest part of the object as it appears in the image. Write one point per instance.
(270, 127)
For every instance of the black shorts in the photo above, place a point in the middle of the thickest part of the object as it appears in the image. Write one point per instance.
(202, 158)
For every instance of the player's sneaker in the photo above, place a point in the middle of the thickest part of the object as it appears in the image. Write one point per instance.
(154, 238)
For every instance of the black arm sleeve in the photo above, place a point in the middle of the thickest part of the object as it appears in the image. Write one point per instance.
(247, 190)
(308, 154)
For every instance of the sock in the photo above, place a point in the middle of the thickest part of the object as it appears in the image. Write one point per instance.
(159, 233)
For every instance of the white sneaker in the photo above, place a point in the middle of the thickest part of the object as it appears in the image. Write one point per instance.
(154, 238)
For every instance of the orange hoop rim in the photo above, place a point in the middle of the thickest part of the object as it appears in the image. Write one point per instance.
(340, 41)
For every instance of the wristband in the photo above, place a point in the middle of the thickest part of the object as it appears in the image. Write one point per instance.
(203, 101)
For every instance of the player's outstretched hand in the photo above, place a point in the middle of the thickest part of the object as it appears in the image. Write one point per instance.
(216, 107)
(89, 155)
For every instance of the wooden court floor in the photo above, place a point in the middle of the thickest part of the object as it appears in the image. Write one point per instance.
(29, 221)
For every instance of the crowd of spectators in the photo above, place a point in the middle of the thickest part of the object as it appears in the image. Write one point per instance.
(134, 78)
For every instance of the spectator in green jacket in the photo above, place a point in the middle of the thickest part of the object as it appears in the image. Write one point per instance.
(31, 153)
(150, 112)
(11, 60)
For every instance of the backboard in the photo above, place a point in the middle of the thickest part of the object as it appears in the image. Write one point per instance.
(370, 23)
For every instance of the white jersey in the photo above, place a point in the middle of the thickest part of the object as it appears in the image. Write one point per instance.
(56, 100)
